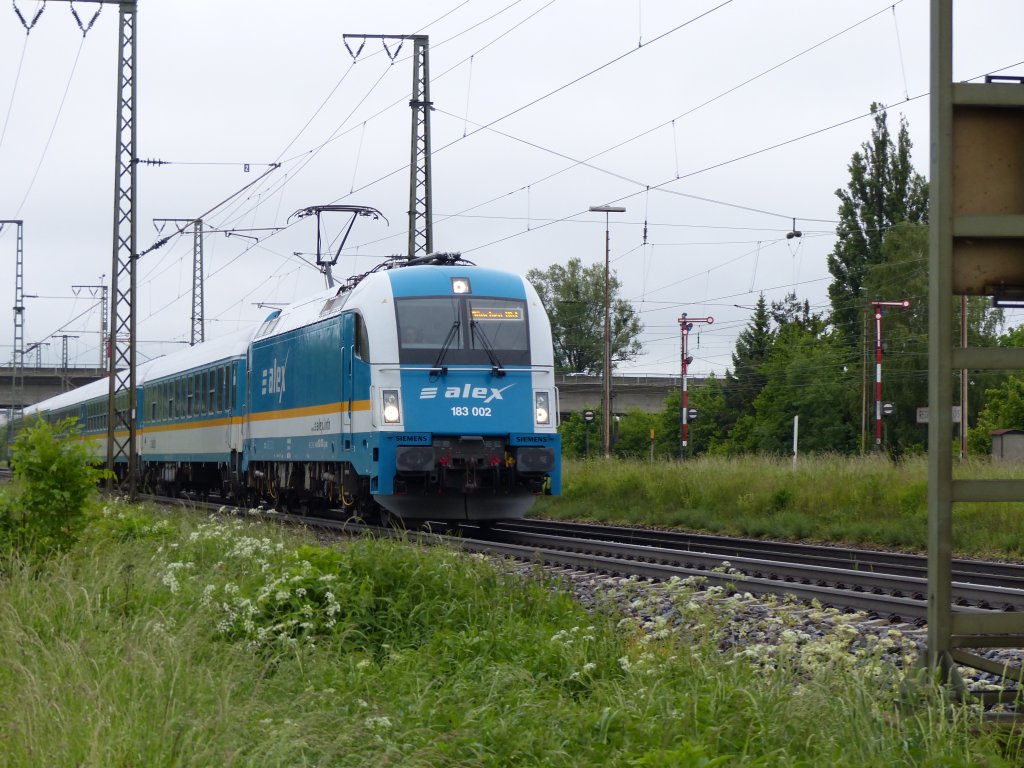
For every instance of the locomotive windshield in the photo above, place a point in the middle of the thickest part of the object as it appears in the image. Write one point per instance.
(471, 330)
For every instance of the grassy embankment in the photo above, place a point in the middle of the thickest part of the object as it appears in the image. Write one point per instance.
(174, 640)
(868, 501)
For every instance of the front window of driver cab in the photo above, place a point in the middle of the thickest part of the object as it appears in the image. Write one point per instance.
(462, 330)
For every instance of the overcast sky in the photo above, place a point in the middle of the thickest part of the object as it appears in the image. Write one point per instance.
(716, 124)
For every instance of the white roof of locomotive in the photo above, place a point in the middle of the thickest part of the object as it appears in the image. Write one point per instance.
(374, 288)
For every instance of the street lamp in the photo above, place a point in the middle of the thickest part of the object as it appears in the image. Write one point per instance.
(607, 443)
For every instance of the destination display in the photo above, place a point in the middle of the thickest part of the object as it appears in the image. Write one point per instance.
(493, 313)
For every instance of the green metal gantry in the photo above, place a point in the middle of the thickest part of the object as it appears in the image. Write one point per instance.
(976, 248)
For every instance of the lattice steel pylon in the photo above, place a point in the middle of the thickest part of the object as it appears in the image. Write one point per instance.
(18, 354)
(121, 448)
(421, 218)
(102, 292)
(421, 227)
(198, 302)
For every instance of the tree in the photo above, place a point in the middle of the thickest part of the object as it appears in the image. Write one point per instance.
(573, 296)
(745, 380)
(884, 189)
(54, 478)
(1004, 409)
(903, 274)
(805, 376)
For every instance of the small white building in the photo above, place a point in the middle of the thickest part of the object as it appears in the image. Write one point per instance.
(1008, 445)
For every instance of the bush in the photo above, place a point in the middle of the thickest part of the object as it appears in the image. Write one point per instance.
(53, 478)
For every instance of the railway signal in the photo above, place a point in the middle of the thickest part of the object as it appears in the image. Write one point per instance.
(685, 326)
(879, 404)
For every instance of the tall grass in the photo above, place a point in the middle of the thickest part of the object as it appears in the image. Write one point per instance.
(137, 647)
(861, 500)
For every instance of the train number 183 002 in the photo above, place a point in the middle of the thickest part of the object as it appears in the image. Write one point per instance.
(476, 410)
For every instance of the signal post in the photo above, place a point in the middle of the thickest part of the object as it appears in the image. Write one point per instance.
(686, 325)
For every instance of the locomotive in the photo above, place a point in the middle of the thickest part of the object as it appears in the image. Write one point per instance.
(424, 388)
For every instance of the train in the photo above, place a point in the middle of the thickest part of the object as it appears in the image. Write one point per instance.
(422, 389)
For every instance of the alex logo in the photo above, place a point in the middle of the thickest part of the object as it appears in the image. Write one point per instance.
(273, 379)
(466, 392)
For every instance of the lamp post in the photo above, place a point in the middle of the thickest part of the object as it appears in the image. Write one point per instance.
(607, 388)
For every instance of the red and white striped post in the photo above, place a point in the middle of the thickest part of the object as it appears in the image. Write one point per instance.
(904, 303)
(686, 325)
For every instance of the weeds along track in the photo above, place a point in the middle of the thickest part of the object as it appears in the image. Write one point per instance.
(887, 585)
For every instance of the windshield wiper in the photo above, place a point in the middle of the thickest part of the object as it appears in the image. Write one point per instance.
(453, 333)
(496, 368)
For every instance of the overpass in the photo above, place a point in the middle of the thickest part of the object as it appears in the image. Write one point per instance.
(645, 391)
(576, 392)
(41, 383)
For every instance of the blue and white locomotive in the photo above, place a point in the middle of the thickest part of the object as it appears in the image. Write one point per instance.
(423, 389)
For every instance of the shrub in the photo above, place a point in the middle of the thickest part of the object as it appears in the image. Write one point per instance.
(53, 478)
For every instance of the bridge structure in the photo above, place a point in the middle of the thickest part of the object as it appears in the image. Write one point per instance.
(41, 383)
(576, 392)
(645, 391)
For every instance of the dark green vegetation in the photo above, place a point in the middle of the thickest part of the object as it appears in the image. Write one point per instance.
(44, 508)
(867, 501)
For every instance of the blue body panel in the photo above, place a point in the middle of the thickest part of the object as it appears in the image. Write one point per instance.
(471, 402)
(437, 281)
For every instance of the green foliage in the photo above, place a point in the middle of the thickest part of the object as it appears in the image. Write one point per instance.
(745, 380)
(579, 439)
(804, 377)
(1004, 409)
(573, 296)
(54, 477)
(633, 433)
(883, 190)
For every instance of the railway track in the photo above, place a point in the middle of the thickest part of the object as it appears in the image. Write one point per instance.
(826, 574)
(889, 585)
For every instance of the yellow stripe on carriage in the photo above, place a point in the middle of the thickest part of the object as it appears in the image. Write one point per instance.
(312, 410)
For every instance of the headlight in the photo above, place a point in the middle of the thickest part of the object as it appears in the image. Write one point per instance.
(391, 406)
(542, 408)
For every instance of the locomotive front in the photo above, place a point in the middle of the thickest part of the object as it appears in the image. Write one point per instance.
(468, 414)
